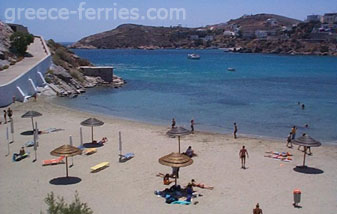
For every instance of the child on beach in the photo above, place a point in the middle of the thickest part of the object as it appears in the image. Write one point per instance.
(289, 141)
(293, 132)
(192, 126)
(9, 113)
(173, 123)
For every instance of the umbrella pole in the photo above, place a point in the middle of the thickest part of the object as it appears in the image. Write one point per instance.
(179, 143)
(305, 152)
(175, 181)
(67, 166)
(92, 134)
(33, 123)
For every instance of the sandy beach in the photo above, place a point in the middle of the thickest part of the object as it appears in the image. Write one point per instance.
(129, 187)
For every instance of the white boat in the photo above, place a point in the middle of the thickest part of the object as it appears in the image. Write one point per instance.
(193, 56)
(230, 69)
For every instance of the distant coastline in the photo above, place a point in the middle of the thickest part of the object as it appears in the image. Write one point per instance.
(261, 33)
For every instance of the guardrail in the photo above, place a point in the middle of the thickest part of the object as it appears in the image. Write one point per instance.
(24, 85)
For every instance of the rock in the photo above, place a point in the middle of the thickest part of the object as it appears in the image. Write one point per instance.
(61, 73)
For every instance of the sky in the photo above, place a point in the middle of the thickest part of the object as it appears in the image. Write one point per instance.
(53, 19)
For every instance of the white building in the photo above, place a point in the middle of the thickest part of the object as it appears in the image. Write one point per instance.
(314, 18)
(329, 18)
(272, 22)
(228, 33)
(261, 34)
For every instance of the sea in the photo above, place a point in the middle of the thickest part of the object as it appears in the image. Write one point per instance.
(264, 95)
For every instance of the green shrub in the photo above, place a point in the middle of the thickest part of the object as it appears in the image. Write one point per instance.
(5, 67)
(77, 75)
(20, 42)
(59, 206)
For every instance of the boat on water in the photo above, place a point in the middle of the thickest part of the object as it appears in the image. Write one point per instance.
(231, 69)
(193, 56)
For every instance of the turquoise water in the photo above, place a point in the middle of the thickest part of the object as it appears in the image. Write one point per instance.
(261, 96)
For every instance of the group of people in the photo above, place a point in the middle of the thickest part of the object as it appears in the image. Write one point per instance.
(173, 125)
(8, 113)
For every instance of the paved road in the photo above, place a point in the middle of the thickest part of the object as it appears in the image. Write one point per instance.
(36, 49)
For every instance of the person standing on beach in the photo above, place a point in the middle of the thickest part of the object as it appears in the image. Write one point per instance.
(5, 116)
(173, 123)
(257, 209)
(289, 141)
(9, 113)
(242, 155)
(293, 132)
(192, 126)
(235, 130)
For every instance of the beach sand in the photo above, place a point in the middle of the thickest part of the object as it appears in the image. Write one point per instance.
(129, 187)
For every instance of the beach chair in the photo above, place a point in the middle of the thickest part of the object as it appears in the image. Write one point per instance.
(126, 157)
(90, 151)
(99, 166)
(53, 161)
(17, 157)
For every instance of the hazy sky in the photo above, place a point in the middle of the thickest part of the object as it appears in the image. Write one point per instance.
(63, 28)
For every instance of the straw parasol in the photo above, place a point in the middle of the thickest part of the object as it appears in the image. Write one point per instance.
(67, 151)
(306, 141)
(175, 160)
(178, 131)
(31, 114)
(92, 122)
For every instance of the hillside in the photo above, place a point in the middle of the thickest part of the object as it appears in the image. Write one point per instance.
(261, 33)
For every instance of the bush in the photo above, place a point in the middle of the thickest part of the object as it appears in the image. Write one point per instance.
(20, 42)
(5, 67)
(59, 206)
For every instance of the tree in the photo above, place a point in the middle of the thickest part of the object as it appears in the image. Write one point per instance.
(59, 206)
(20, 42)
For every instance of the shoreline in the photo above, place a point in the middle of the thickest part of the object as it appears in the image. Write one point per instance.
(162, 125)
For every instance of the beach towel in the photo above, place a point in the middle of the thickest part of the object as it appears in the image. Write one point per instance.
(181, 202)
(29, 144)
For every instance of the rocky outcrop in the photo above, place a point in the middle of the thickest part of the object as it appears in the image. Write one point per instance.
(6, 57)
(65, 77)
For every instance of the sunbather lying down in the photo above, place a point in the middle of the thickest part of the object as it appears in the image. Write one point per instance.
(104, 140)
(200, 185)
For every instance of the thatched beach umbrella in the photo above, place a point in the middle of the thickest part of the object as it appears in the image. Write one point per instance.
(31, 114)
(67, 151)
(92, 122)
(175, 160)
(178, 131)
(306, 141)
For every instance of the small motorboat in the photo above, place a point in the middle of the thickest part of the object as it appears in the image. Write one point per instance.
(231, 69)
(193, 56)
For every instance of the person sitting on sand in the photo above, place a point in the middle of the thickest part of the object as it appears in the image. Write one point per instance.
(257, 210)
(189, 152)
(21, 153)
(200, 185)
(166, 179)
